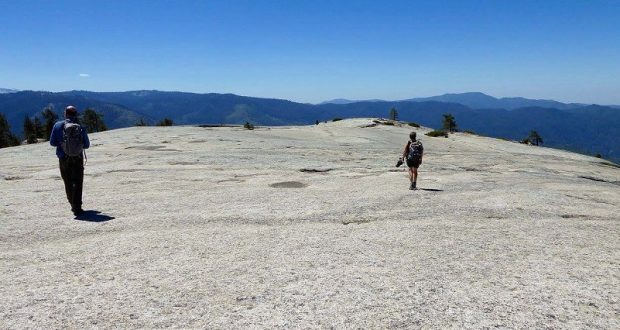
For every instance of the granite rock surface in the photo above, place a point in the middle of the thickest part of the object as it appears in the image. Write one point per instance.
(309, 227)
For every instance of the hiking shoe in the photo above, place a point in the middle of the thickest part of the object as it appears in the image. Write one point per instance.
(412, 186)
(77, 212)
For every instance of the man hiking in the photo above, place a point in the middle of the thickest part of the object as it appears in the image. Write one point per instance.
(413, 154)
(70, 140)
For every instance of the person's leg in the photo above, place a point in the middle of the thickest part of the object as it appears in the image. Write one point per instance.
(415, 176)
(65, 173)
(77, 180)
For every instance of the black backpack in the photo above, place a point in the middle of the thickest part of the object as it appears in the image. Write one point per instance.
(415, 150)
(72, 142)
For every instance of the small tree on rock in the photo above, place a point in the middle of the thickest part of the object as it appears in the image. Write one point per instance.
(30, 132)
(165, 122)
(393, 114)
(141, 123)
(449, 123)
(39, 129)
(93, 121)
(535, 138)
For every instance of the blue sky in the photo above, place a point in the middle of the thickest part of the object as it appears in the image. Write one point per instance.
(311, 51)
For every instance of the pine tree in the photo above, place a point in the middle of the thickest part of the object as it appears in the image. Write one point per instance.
(393, 114)
(7, 139)
(39, 129)
(30, 133)
(165, 122)
(50, 118)
(535, 138)
(449, 123)
(141, 122)
(93, 121)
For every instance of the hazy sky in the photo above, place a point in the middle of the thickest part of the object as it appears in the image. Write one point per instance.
(311, 51)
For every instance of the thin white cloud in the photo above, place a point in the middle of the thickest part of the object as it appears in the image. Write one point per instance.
(85, 75)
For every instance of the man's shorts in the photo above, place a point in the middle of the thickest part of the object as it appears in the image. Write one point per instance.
(414, 163)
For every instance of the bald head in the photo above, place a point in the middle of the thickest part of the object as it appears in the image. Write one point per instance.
(70, 112)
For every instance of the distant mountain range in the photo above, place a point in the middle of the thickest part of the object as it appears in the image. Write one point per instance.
(6, 90)
(477, 100)
(345, 101)
(589, 129)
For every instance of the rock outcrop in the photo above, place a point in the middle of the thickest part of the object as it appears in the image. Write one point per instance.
(309, 226)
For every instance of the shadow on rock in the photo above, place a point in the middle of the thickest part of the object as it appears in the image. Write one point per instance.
(93, 216)
(429, 189)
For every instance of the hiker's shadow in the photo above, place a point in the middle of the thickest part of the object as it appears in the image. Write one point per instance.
(93, 216)
(429, 189)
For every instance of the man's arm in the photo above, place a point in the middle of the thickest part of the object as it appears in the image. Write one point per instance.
(55, 136)
(85, 139)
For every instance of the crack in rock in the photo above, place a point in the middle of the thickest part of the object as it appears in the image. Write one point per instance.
(315, 170)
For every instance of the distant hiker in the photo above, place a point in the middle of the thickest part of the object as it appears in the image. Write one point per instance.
(413, 154)
(70, 140)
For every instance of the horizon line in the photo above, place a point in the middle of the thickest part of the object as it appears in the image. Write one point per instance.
(316, 103)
